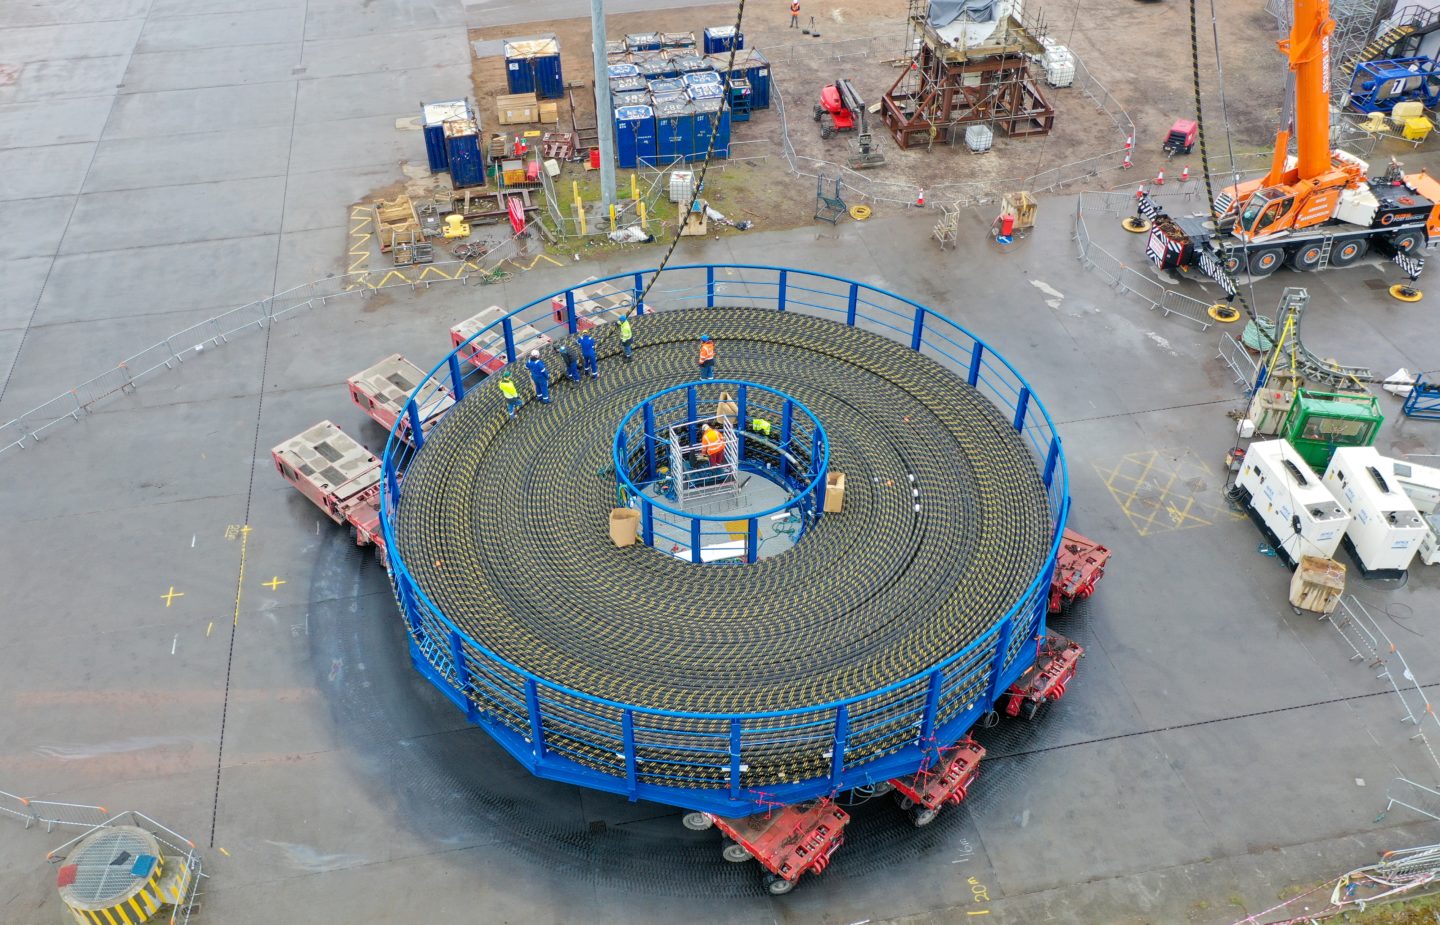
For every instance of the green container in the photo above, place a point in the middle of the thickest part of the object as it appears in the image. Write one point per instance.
(1319, 422)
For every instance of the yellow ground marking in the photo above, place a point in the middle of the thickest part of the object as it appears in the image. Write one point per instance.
(240, 582)
(209, 629)
(1164, 490)
(435, 270)
(274, 583)
(539, 257)
(224, 852)
(170, 595)
(386, 278)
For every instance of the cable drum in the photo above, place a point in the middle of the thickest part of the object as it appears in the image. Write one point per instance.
(503, 526)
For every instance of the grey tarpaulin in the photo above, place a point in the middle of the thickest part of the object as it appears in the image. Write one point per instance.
(944, 12)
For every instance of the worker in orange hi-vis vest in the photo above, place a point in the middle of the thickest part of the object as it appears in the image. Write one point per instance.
(707, 357)
(794, 14)
(714, 445)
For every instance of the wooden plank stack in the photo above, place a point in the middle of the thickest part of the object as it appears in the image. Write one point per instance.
(1317, 584)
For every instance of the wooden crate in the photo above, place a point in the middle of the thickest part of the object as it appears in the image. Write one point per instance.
(517, 108)
(1317, 584)
(549, 112)
(392, 217)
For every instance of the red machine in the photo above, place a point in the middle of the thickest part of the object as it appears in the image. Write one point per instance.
(927, 791)
(1079, 566)
(339, 475)
(843, 107)
(788, 842)
(1055, 665)
(488, 350)
(1181, 138)
(595, 304)
(383, 390)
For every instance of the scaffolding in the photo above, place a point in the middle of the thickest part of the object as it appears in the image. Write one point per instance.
(695, 478)
(954, 81)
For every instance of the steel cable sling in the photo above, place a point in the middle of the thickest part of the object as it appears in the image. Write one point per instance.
(503, 525)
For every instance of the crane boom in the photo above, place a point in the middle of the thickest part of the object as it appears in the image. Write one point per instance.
(1308, 50)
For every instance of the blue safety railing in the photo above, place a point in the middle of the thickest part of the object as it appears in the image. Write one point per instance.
(795, 455)
(699, 760)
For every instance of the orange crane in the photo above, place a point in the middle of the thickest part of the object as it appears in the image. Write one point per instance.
(1316, 208)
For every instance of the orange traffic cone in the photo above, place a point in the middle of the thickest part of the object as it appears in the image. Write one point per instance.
(1129, 142)
(1185, 174)
(1125, 164)
(920, 199)
(1160, 177)
(1140, 192)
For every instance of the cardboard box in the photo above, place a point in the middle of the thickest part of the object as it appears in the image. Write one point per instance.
(624, 526)
(517, 109)
(834, 492)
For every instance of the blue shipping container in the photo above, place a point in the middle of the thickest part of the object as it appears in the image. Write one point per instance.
(634, 135)
(621, 70)
(667, 85)
(433, 117)
(674, 132)
(722, 38)
(533, 66)
(711, 118)
(631, 98)
(698, 78)
(629, 84)
(707, 91)
(643, 41)
(462, 145)
(757, 71)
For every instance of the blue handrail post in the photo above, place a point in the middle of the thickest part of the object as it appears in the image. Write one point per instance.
(1051, 459)
(537, 731)
(639, 289)
(627, 732)
(1022, 404)
(692, 413)
(977, 353)
(572, 324)
(932, 709)
(462, 676)
(735, 758)
(457, 379)
(919, 331)
(742, 415)
(650, 447)
(647, 521)
(816, 451)
(392, 481)
(417, 433)
(710, 287)
(782, 290)
(1002, 646)
(854, 301)
(837, 754)
(509, 330)
(787, 423)
(407, 604)
(752, 540)
(695, 540)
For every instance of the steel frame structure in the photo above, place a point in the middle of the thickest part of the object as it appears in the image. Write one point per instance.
(942, 701)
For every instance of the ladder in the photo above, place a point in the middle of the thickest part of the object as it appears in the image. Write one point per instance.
(1325, 247)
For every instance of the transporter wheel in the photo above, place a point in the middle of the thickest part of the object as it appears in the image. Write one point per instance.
(1307, 257)
(1031, 709)
(697, 822)
(778, 886)
(1230, 263)
(818, 112)
(1347, 252)
(921, 817)
(826, 131)
(904, 802)
(1266, 261)
(734, 852)
(1406, 242)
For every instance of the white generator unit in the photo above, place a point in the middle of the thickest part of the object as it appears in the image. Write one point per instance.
(1290, 503)
(1422, 484)
(1385, 529)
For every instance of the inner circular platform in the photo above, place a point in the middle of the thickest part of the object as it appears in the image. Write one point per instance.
(503, 527)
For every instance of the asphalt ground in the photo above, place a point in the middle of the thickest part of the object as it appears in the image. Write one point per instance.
(1215, 751)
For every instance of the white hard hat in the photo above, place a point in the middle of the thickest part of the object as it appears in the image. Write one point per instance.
(535, 354)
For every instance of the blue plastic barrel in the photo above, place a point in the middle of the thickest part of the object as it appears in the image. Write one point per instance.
(433, 117)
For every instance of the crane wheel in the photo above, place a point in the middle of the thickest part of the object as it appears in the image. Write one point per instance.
(1135, 224)
(860, 213)
(1406, 293)
(1223, 312)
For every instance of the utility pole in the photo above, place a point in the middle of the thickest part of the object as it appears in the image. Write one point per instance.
(604, 116)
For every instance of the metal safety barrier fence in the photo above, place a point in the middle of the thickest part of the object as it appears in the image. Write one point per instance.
(565, 734)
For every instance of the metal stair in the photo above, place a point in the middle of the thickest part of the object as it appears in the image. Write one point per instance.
(1377, 48)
